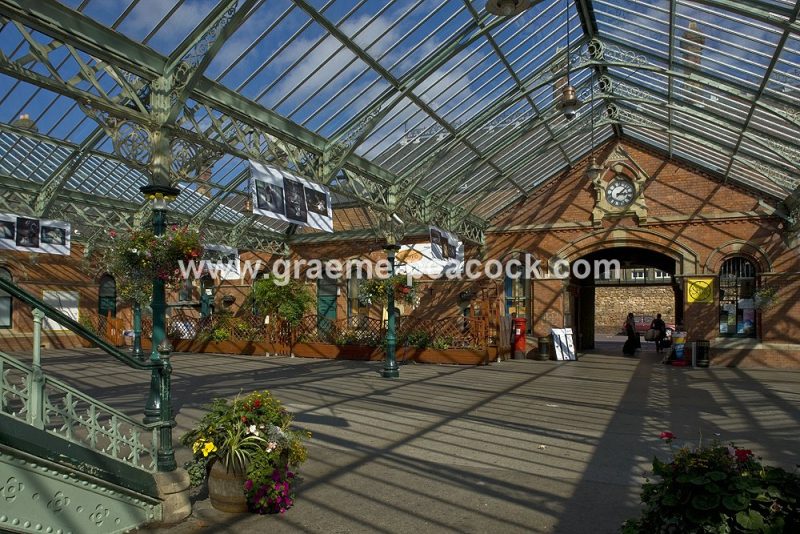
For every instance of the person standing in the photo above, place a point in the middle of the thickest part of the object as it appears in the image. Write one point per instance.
(661, 331)
(629, 348)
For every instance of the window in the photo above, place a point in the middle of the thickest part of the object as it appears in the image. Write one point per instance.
(354, 303)
(518, 293)
(737, 284)
(637, 274)
(107, 296)
(5, 301)
(660, 275)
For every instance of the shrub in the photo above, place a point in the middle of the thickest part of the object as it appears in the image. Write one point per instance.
(720, 489)
(417, 338)
(442, 342)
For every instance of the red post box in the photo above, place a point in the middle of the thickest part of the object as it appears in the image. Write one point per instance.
(518, 337)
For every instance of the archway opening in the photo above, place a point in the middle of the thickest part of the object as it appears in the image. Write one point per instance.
(638, 281)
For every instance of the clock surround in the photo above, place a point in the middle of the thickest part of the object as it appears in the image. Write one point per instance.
(619, 189)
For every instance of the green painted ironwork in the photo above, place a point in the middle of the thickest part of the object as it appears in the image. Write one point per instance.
(390, 368)
(43, 496)
(49, 404)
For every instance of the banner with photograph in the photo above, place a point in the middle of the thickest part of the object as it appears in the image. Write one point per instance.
(223, 259)
(286, 197)
(446, 246)
(419, 259)
(27, 234)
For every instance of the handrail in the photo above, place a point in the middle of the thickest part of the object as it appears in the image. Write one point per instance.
(44, 399)
(52, 313)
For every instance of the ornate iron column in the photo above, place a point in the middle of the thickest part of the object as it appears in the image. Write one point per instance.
(390, 369)
(166, 454)
(137, 332)
(159, 195)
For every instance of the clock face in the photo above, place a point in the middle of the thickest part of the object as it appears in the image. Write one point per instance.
(620, 193)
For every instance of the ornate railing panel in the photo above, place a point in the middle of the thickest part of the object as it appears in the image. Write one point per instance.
(30, 396)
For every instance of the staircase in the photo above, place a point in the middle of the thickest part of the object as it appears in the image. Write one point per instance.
(68, 462)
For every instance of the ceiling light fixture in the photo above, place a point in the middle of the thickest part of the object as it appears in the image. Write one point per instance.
(507, 8)
(569, 100)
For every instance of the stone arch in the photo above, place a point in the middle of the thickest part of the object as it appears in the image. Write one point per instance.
(686, 259)
(737, 247)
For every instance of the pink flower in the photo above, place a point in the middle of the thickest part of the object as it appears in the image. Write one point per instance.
(669, 436)
(248, 485)
(112, 233)
(742, 455)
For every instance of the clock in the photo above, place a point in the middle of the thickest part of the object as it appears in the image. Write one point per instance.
(620, 193)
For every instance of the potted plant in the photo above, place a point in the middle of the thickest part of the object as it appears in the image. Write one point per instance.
(240, 445)
(717, 488)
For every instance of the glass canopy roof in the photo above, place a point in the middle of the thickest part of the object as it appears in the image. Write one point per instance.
(438, 111)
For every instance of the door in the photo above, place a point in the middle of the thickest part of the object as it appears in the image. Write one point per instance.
(326, 306)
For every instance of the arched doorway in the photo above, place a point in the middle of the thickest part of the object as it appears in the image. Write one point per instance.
(640, 281)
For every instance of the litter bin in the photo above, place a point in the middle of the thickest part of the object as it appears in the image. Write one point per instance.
(544, 348)
(702, 348)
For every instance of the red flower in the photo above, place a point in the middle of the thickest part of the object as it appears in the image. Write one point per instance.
(112, 233)
(667, 435)
(742, 455)
(257, 403)
(244, 419)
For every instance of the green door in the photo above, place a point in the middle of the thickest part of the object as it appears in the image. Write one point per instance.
(326, 306)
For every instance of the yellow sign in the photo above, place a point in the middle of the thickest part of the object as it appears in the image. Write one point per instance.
(700, 290)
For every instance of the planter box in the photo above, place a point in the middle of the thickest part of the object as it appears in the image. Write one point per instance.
(449, 356)
(337, 352)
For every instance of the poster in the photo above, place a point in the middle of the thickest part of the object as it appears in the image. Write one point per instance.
(446, 246)
(281, 195)
(748, 321)
(224, 260)
(700, 290)
(28, 234)
(563, 344)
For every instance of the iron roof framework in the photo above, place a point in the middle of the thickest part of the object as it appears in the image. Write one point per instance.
(440, 113)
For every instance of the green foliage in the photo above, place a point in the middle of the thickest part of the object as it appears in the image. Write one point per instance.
(417, 338)
(718, 489)
(197, 470)
(442, 342)
(139, 257)
(288, 302)
(376, 290)
(86, 322)
(248, 429)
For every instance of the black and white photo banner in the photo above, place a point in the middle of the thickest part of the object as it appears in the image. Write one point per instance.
(286, 197)
(28, 234)
(446, 246)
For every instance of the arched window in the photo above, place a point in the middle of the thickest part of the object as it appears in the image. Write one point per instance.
(737, 285)
(107, 296)
(518, 290)
(5, 301)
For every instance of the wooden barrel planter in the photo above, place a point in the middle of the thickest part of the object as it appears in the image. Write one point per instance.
(226, 489)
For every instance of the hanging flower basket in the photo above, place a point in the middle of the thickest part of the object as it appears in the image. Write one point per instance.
(376, 290)
(139, 257)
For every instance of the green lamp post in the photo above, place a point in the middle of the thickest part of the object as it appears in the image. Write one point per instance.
(390, 369)
(160, 196)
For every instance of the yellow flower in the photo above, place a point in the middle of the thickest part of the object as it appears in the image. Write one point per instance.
(208, 448)
(197, 445)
